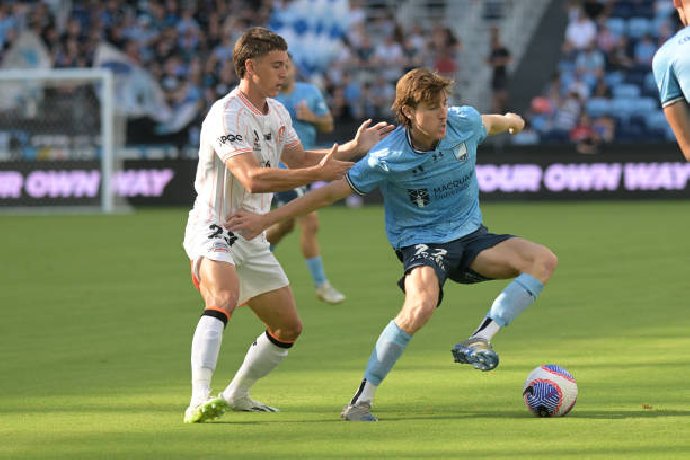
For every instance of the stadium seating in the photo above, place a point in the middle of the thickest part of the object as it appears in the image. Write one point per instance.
(632, 97)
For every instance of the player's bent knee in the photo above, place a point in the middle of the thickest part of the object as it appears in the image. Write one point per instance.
(310, 224)
(288, 333)
(547, 262)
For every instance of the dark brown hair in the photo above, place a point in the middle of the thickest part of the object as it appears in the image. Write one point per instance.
(416, 86)
(254, 43)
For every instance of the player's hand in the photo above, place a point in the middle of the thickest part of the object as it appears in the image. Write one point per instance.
(330, 169)
(303, 113)
(368, 136)
(247, 224)
(515, 123)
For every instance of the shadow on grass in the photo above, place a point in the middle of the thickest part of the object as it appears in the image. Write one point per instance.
(577, 414)
(393, 417)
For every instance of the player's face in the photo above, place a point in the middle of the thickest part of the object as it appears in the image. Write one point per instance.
(290, 75)
(683, 8)
(268, 72)
(429, 119)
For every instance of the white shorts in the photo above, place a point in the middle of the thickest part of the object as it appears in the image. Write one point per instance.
(257, 268)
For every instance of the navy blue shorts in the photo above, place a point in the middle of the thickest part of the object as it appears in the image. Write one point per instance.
(450, 260)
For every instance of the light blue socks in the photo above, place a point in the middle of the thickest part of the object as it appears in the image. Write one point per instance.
(390, 345)
(515, 298)
(315, 266)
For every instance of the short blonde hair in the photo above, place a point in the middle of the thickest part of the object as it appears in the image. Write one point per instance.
(416, 86)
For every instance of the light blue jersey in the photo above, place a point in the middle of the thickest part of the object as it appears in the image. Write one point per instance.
(311, 95)
(429, 197)
(671, 66)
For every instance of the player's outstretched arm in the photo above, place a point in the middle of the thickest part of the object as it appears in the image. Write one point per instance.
(367, 136)
(250, 225)
(255, 178)
(678, 116)
(497, 124)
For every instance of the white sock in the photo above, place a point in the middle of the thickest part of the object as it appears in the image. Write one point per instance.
(365, 392)
(486, 330)
(205, 347)
(261, 358)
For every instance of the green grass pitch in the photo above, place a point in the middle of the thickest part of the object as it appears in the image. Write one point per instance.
(98, 312)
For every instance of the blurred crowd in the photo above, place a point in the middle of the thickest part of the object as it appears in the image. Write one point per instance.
(604, 90)
(187, 46)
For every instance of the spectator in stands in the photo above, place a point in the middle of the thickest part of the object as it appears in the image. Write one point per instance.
(605, 127)
(584, 136)
(365, 52)
(644, 52)
(445, 64)
(388, 56)
(565, 118)
(499, 59)
(579, 34)
(580, 85)
(590, 64)
(594, 9)
(621, 58)
(601, 89)
(606, 40)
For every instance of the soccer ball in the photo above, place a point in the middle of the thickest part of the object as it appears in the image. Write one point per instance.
(550, 391)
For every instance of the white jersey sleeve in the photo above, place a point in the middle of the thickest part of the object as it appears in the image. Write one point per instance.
(228, 132)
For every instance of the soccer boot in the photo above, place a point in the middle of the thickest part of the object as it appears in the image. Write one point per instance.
(477, 353)
(210, 409)
(358, 412)
(329, 294)
(246, 404)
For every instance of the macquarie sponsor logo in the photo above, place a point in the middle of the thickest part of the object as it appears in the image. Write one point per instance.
(56, 184)
(453, 187)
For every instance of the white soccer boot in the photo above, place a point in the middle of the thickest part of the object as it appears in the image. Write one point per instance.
(329, 294)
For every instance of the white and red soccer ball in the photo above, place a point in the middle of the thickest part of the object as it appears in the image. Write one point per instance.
(550, 391)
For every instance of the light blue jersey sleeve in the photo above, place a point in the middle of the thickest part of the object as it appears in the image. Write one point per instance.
(671, 68)
(467, 119)
(368, 173)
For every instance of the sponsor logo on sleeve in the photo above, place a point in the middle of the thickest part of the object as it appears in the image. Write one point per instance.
(229, 138)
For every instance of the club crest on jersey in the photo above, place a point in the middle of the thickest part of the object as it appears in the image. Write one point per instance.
(419, 197)
(460, 152)
(281, 135)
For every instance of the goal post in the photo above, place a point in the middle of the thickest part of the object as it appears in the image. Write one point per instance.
(58, 122)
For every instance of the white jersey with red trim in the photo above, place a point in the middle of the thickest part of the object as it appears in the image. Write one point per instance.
(232, 127)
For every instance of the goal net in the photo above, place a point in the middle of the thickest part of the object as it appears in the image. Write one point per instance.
(57, 139)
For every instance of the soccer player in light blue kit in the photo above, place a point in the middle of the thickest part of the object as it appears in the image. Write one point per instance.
(671, 66)
(310, 115)
(425, 170)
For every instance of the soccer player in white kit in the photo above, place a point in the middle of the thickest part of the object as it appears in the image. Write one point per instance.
(243, 138)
